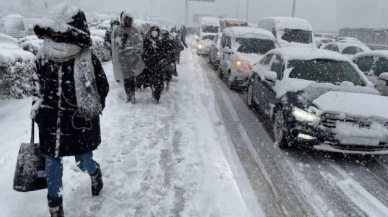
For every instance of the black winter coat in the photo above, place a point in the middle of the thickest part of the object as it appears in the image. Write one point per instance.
(152, 53)
(62, 131)
(57, 117)
(167, 48)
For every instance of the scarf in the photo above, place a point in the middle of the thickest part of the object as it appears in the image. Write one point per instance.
(88, 100)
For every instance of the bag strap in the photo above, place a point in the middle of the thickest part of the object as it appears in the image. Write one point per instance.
(32, 132)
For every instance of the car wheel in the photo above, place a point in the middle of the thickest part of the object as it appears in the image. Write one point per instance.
(279, 128)
(250, 100)
(229, 83)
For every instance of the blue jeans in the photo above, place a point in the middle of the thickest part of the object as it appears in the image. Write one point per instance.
(54, 170)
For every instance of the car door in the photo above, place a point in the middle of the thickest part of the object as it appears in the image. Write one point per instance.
(269, 94)
(380, 67)
(256, 80)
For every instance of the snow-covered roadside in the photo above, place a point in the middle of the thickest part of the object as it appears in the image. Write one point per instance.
(157, 160)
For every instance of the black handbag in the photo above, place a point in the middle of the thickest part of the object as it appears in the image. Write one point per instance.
(30, 174)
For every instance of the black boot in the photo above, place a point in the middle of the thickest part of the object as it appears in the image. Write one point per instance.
(55, 207)
(97, 184)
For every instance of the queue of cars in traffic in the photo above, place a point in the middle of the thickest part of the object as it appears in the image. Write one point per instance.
(329, 97)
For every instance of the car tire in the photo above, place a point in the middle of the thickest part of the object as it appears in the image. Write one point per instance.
(279, 129)
(250, 99)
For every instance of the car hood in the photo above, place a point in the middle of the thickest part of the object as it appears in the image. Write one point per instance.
(206, 42)
(353, 104)
(251, 58)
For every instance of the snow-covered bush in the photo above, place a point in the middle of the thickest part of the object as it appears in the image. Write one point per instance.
(100, 50)
(16, 67)
(32, 46)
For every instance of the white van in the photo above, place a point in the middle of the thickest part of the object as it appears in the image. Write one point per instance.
(289, 31)
(209, 26)
(16, 26)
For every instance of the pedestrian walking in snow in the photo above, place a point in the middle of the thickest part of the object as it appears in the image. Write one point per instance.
(108, 34)
(167, 56)
(152, 58)
(184, 33)
(70, 91)
(180, 44)
(128, 49)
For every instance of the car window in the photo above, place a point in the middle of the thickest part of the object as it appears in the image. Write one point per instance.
(365, 63)
(335, 48)
(325, 71)
(327, 47)
(254, 45)
(381, 66)
(268, 60)
(223, 40)
(351, 50)
(277, 66)
(297, 36)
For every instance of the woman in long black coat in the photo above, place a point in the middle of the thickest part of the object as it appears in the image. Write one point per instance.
(71, 88)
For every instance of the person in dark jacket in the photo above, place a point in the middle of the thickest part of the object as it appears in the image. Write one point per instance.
(180, 44)
(167, 47)
(70, 91)
(108, 33)
(152, 58)
(184, 33)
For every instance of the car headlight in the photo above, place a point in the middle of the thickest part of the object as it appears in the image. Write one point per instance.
(200, 46)
(218, 53)
(302, 115)
(238, 63)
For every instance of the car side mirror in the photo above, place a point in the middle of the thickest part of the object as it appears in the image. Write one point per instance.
(384, 76)
(271, 76)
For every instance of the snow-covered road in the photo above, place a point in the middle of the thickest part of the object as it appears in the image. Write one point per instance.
(171, 159)
(200, 152)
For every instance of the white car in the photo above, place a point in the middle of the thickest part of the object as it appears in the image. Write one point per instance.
(318, 99)
(347, 49)
(204, 44)
(324, 35)
(375, 66)
(241, 48)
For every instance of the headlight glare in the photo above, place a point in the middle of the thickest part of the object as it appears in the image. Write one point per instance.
(238, 63)
(302, 115)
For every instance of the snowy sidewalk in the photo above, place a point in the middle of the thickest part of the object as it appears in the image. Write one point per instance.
(157, 160)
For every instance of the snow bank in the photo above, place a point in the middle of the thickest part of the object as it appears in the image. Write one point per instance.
(10, 54)
(5, 39)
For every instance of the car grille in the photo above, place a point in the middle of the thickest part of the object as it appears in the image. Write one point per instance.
(330, 121)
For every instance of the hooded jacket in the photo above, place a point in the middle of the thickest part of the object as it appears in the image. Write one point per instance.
(63, 131)
(127, 50)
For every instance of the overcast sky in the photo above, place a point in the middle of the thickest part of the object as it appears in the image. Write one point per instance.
(323, 14)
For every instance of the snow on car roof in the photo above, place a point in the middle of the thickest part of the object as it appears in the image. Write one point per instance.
(291, 23)
(251, 32)
(379, 53)
(14, 16)
(342, 46)
(296, 53)
(210, 21)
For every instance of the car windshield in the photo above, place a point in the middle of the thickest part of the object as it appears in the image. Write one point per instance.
(254, 45)
(328, 36)
(210, 29)
(208, 37)
(325, 71)
(351, 50)
(365, 63)
(298, 36)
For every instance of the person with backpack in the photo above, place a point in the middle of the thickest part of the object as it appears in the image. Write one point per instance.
(70, 91)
